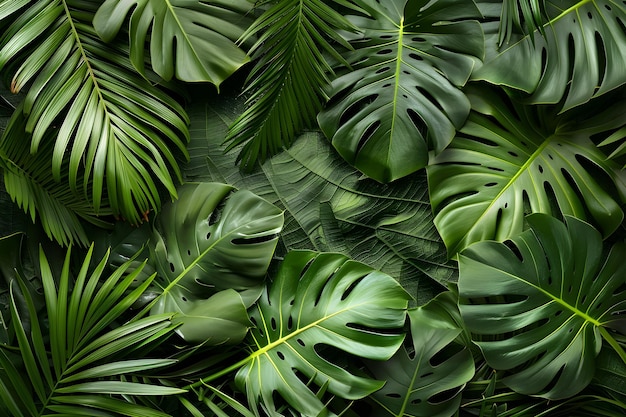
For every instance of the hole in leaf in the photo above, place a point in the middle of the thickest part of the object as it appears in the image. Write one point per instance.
(417, 121)
(552, 200)
(172, 268)
(184, 299)
(351, 288)
(356, 108)
(416, 401)
(321, 288)
(369, 132)
(513, 248)
(444, 396)
(253, 321)
(290, 323)
(418, 39)
(253, 240)
(208, 236)
(584, 299)
(280, 355)
(393, 395)
(306, 268)
(558, 313)
(544, 60)
(445, 354)
(384, 52)
(386, 37)
(415, 56)
(555, 380)
(540, 169)
(496, 169)
(484, 141)
(606, 6)
(188, 252)
(491, 184)
(301, 342)
(601, 60)
(384, 69)
(513, 154)
(273, 323)
(430, 98)
(589, 15)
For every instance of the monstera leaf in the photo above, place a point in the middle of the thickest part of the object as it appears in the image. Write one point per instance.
(538, 304)
(329, 205)
(578, 57)
(426, 377)
(319, 301)
(211, 249)
(509, 160)
(191, 40)
(402, 98)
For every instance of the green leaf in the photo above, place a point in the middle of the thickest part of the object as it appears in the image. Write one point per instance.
(402, 98)
(427, 375)
(510, 160)
(577, 58)
(329, 206)
(536, 303)
(189, 40)
(118, 387)
(211, 239)
(319, 301)
(116, 135)
(287, 83)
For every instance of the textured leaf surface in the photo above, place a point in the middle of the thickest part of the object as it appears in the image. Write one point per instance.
(317, 301)
(329, 205)
(536, 304)
(213, 239)
(510, 160)
(579, 56)
(427, 375)
(190, 40)
(402, 98)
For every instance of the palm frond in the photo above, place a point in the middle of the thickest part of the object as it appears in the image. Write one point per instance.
(73, 365)
(520, 15)
(116, 131)
(287, 84)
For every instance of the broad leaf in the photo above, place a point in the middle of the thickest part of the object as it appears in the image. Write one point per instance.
(116, 135)
(426, 376)
(190, 40)
(329, 205)
(402, 98)
(212, 241)
(287, 83)
(538, 303)
(510, 160)
(319, 301)
(578, 57)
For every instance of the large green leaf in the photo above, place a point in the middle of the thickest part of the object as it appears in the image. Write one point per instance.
(426, 377)
(72, 347)
(329, 205)
(402, 98)
(116, 135)
(211, 249)
(538, 304)
(578, 57)
(510, 160)
(287, 83)
(190, 40)
(319, 301)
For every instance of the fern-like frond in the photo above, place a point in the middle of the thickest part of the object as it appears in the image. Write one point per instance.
(520, 15)
(117, 133)
(287, 84)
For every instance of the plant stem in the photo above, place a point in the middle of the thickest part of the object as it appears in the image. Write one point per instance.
(614, 344)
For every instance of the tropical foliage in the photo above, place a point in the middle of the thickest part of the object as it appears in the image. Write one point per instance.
(313, 207)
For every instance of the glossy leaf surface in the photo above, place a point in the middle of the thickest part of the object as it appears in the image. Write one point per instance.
(427, 375)
(189, 40)
(537, 304)
(212, 241)
(402, 98)
(510, 160)
(578, 57)
(317, 301)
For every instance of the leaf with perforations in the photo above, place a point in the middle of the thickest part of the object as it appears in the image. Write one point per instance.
(511, 159)
(576, 53)
(403, 98)
(316, 302)
(539, 304)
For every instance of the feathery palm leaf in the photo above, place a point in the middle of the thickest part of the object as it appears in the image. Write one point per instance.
(27, 179)
(73, 365)
(287, 84)
(520, 15)
(580, 56)
(192, 40)
(114, 127)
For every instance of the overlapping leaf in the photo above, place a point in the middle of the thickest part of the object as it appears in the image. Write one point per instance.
(578, 57)
(510, 160)
(317, 301)
(402, 98)
(74, 351)
(287, 84)
(538, 304)
(426, 377)
(211, 249)
(329, 205)
(113, 130)
(189, 40)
